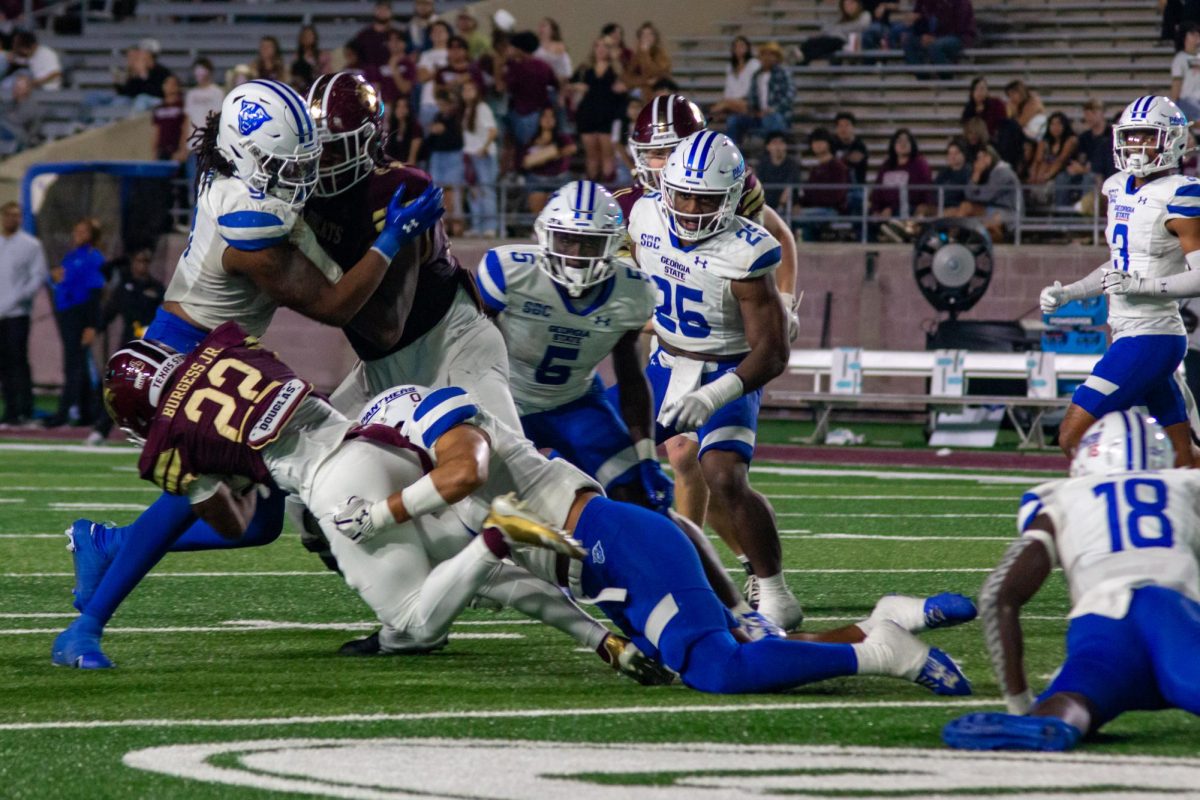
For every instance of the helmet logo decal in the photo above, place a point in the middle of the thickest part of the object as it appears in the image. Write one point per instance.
(251, 117)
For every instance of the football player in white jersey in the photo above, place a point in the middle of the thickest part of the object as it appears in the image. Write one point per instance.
(1126, 531)
(1154, 234)
(722, 335)
(247, 254)
(564, 304)
(637, 566)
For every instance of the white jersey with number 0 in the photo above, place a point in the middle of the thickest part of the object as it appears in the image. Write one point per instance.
(696, 309)
(1115, 533)
(1140, 243)
(555, 342)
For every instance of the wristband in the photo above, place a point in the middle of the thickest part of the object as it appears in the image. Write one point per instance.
(725, 389)
(645, 450)
(422, 498)
(1019, 703)
(381, 515)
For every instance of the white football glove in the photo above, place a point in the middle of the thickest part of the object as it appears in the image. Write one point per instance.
(1053, 298)
(692, 410)
(358, 519)
(791, 310)
(1117, 281)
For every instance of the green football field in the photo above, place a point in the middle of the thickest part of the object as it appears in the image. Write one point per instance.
(228, 684)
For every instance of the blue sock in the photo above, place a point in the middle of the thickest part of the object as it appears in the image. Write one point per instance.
(721, 664)
(264, 528)
(140, 545)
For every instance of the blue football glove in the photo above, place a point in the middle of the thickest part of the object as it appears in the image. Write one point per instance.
(403, 223)
(659, 488)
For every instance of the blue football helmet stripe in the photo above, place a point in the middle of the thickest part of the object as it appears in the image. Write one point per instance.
(304, 124)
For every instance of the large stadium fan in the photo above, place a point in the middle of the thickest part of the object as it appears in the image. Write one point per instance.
(952, 262)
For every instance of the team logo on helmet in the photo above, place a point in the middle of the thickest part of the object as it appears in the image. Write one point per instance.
(251, 117)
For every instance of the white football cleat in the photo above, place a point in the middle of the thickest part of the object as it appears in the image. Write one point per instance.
(784, 611)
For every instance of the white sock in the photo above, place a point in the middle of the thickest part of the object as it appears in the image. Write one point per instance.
(871, 658)
(773, 587)
(907, 612)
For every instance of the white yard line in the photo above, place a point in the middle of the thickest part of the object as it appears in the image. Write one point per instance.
(898, 475)
(96, 506)
(326, 573)
(878, 537)
(15, 447)
(299, 626)
(857, 515)
(144, 489)
(952, 497)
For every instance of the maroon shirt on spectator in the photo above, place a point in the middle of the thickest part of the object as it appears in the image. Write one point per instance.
(551, 168)
(178, 449)
(832, 171)
(449, 76)
(387, 85)
(374, 45)
(994, 114)
(345, 227)
(399, 142)
(529, 83)
(948, 18)
(891, 176)
(168, 127)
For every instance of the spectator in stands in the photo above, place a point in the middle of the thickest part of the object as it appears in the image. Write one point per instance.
(883, 33)
(142, 87)
(20, 116)
(849, 148)
(769, 104)
(168, 119)
(614, 34)
(1054, 152)
(778, 172)
(459, 68)
(466, 26)
(952, 181)
(372, 41)
(405, 135)
(552, 50)
(269, 63)
(547, 159)
(650, 64)
(980, 103)
(77, 283)
(419, 25)
(39, 60)
(600, 100)
(1185, 73)
(1176, 14)
(530, 84)
(446, 162)
(311, 61)
(479, 144)
(198, 102)
(992, 193)
(1026, 110)
(135, 299)
(739, 73)
(399, 75)
(940, 32)
(903, 167)
(821, 202)
(238, 74)
(1091, 164)
(853, 20)
(433, 59)
(22, 276)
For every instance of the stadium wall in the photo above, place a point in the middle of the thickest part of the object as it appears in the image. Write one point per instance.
(887, 312)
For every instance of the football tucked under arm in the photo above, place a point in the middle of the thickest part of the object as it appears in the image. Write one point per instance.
(228, 511)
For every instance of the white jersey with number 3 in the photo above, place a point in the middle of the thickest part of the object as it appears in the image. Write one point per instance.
(696, 310)
(1140, 243)
(1115, 533)
(555, 342)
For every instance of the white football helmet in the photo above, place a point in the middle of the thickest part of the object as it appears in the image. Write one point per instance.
(268, 135)
(1150, 113)
(580, 230)
(708, 166)
(1122, 441)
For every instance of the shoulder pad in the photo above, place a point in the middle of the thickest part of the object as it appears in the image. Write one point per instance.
(247, 221)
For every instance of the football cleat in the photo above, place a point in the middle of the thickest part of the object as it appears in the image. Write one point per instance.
(994, 731)
(750, 590)
(91, 561)
(784, 611)
(903, 655)
(79, 649)
(366, 646)
(388, 641)
(756, 626)
(941, 675)
(625, 657)
(948, 609)
(521, 528)
(916, 614)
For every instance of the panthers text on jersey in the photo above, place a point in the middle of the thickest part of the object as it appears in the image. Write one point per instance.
(696, 310)
(1141, 244)
(423, 415)
(228, 214)
(555, 341)
(1116, 533)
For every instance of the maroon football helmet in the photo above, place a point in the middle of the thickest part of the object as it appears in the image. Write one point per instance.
(348, 113)
(134, 380)
(661, 124)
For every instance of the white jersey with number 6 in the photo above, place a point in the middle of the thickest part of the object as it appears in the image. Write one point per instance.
(1140, 243)
(697, 312)
(1116, 533)
(555, 342)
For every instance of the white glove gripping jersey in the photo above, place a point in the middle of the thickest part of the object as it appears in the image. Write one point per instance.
(1116, 533)
(696, 311)
(1141, 244)
(423, 415)
(228, 214)
(555, 342)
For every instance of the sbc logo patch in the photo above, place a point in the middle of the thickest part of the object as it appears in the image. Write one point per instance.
(251, 117)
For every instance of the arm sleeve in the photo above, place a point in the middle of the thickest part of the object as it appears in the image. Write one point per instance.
(1185, 284)
(1089, 285)
(491, 281)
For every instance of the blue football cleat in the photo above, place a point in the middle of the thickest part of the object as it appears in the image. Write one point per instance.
(941, 675)
(79, 648)
(91, 561)
(994, 731)
(947, 609)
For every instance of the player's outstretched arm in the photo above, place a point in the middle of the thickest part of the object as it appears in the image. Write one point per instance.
(1091, 285)
(1022, 571)
(1183, 284)
(381, 319)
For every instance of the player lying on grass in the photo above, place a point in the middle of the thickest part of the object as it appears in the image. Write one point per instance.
(639, 567)
(231, 416)
(1126, 531)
